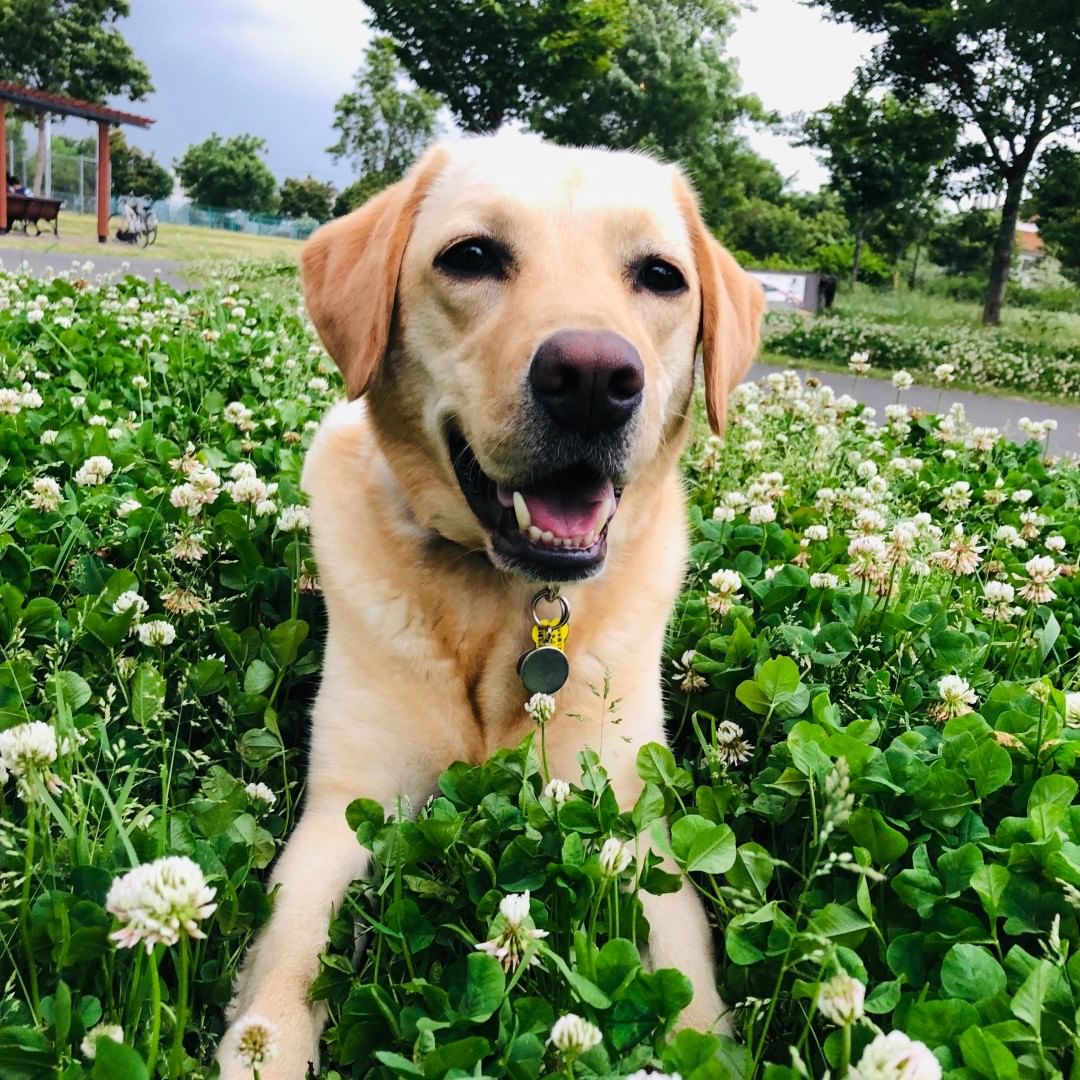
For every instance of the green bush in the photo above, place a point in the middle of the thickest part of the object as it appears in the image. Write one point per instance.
(836, 259)
(874, 719)
(979, 357)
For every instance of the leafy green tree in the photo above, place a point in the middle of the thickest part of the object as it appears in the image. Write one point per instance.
(135, 171)
(1009, 72)
(881, 155)
(383, 122)
(963, 243)
(306, 198)
(497, 60)
(228, 174)
(70, 47)
(671, 89)
(1055, 201)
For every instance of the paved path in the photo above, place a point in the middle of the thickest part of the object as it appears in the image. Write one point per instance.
(41, 262)
(984, 410)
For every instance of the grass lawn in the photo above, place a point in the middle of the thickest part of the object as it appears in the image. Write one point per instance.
(175, 243)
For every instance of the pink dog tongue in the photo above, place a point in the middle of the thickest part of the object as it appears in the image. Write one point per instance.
(577, 512)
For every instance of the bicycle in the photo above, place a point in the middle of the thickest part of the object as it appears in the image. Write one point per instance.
(136, 221)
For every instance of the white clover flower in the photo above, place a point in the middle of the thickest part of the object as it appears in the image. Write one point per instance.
(1055, 543)
(859, 362)
(840, 1000)
(902, 380)
(248, 489)
(189, 548)
(540, 707)
(896, 1057)
(45, 494)
(48, 436)
(128, 506)
(95, 470)
(999, 597)
(723, 513)
(945, 373)
(318, 384)
(140, 382)
(157, 632)
(1021, 495)
(1041, 570)
(615, 857)
(130, 601)
(762, 514)
(647, 1074)
(956, 695)
(514, 932)
(260, 793)
(159, 902)
(27, 751)
(1009, 535)
(824, 581)
(100, 1031)
(236, 412)
(573, 1035)
(1072, 709)
(98, 421)
(255, 1040)
(816, 533)
(294, 519)
(730, 747)
(10, 401)
(558, 791)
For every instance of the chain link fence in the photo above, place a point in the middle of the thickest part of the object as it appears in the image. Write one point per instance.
(74, 182)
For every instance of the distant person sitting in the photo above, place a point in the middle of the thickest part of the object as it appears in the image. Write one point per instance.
(16, 188)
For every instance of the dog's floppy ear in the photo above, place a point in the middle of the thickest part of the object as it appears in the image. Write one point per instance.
(732, 304)
(350, 270)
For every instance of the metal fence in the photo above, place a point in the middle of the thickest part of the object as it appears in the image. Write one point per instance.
(74, 181)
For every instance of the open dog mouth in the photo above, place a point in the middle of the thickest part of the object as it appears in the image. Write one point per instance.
(553, 528)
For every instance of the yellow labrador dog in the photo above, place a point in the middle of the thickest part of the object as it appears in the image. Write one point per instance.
(516, 324)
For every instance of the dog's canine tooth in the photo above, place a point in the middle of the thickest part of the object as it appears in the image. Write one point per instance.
(521, 511)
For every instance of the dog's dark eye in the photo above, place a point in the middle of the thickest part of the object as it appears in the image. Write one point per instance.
(660, 277)
(475, 257)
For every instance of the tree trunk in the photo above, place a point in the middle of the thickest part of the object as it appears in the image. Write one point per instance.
(1003, 248)
(857, 255)
(912, 276)
(42, 149)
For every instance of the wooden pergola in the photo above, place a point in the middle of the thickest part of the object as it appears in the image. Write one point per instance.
(58, 105)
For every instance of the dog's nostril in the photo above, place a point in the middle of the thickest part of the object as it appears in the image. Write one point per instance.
(627, 382)
(588, 381)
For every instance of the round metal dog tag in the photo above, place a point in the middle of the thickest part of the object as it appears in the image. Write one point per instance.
(544, 670)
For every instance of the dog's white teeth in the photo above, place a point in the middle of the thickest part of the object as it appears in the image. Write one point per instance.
(612, 506)
(547, 536)
(521, 511)
(534, 533)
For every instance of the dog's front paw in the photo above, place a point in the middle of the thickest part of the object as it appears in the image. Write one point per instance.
(278, 1050)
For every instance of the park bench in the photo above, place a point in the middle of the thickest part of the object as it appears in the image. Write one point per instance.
(32, 209)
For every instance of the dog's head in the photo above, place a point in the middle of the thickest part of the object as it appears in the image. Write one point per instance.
(524, 318)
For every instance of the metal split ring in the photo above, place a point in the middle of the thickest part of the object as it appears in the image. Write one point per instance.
(551, 594)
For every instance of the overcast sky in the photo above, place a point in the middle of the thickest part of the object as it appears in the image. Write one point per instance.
(276, 67)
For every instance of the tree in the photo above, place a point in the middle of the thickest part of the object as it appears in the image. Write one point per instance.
(383, 123)
(306, 198)
(1009, 72)
(963, 243)
(880, 155)
(671, 90)
(70, 47)
(495, 60)
(1055, 202)
(135, 171)
(228, 174)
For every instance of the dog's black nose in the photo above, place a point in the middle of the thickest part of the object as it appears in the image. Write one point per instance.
(588, 380)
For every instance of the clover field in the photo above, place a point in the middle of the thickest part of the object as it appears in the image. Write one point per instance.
(874, 699)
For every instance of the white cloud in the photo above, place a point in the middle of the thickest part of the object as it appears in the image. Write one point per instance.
(795, 61)
(310, 47)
